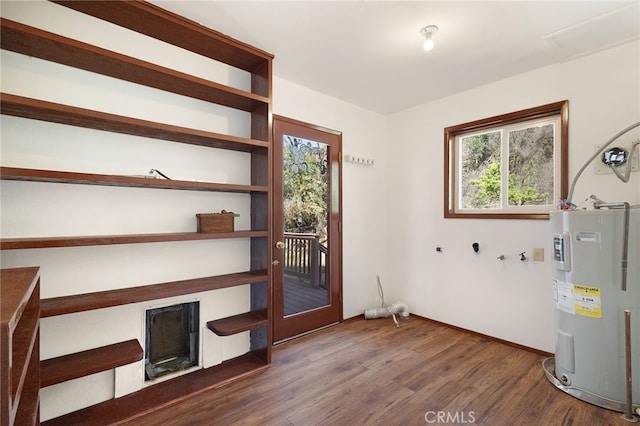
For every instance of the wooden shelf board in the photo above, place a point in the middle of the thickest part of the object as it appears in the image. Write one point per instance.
(38, 43)
(238, 323)
(80, 364)
(20, 106)
(164, 394)
(160, 24)
(104, 299)
(97, 240)
(37, 175)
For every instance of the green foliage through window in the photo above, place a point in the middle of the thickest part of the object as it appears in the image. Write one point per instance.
(509, 166)
(531, 165)
(529, 175)
(481, 170)
(305, 186)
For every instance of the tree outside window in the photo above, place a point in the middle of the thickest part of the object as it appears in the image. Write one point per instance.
(305, 186)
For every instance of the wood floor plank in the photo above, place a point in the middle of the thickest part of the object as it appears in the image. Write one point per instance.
(368, 372)
(312, 383)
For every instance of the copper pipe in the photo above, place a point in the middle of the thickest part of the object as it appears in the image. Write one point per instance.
(627, 346)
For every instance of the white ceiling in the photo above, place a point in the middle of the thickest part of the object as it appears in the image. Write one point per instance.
(369, 53)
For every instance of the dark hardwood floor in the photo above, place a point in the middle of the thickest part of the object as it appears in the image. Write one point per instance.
(368, 372)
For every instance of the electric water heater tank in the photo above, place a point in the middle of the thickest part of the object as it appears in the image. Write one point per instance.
(593, 286)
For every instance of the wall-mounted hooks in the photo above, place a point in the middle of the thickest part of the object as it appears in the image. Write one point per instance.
(523, 257)
(439, 249)
(501, 257)
(358, 159)
(476, 247)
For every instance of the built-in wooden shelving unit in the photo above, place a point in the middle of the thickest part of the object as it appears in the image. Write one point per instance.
(150, 20)
(20, 106)
(19, 345)
(155, 22)
(80, 364)
(238, 323)
(35, 175)
(100, 240)
(105, 299)
(137, 404)
(41, 44)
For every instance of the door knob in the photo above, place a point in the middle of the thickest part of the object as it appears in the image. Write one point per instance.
(279, 245)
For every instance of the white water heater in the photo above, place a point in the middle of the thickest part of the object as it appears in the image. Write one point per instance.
(596, 292)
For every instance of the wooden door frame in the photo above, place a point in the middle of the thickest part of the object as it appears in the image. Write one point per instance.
(311, 132)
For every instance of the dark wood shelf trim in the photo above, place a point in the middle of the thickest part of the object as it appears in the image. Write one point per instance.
(42, 44)
(177, 30)
(23, 356)
(104, 299)
(17, 286)
(20, 106)
(238, 323)
(28, 412)
(80, 364)
(19, 332)
(99, 240)
(36, 175)
(136, 405)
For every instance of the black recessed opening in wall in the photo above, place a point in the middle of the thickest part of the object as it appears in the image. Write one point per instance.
(171, 341)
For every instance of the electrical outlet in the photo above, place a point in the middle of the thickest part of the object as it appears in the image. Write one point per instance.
(600, 168)
(538, 254)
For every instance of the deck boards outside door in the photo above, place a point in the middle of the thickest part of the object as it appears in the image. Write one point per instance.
(300, 297)
(368, 372)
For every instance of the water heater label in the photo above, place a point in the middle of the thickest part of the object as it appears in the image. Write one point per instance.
(592, 237)
(564, 296)
(587, 301)
(577, 299)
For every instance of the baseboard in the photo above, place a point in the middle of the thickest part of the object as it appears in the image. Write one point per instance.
(352, 319)
(486, 336)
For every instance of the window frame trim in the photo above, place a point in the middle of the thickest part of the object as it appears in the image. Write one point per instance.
(450, 167)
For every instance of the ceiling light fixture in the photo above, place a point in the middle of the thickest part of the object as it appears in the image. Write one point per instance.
(428, 32)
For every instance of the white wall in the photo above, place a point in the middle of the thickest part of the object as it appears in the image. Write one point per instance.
(506, 299)
(363, 196)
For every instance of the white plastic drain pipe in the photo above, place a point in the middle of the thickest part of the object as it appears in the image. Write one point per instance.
(385, 311)
(397, 308)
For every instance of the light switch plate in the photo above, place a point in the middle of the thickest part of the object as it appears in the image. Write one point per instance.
(538, 254)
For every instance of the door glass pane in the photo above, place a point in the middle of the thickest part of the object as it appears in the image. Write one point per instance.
(306, 244)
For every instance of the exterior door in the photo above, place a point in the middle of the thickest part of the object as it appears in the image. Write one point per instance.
(307, 266)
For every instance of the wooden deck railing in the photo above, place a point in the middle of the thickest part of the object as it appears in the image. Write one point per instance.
(305, 257)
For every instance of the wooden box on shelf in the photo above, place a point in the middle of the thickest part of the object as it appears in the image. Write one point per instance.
(216, 222)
